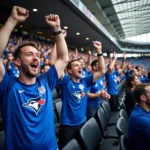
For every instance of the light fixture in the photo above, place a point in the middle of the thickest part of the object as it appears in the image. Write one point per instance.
(35, 10)
(82, 49)
(65, 27)
(87, 38)
(77, 33)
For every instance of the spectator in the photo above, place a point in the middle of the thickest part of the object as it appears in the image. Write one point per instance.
(130, 101)
(26, 102)
(74, 97)
(139, 122)
(112, 83)
(96, 93)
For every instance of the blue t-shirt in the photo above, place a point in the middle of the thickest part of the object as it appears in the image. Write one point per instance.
(127, 73)
(139, 129)
(84, 73)
(13, 72)
(28, 114)
(74, 98)
(112, 83)
(96, 88)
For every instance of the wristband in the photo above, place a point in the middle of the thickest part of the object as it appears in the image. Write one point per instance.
(100, 54)
(57, 32)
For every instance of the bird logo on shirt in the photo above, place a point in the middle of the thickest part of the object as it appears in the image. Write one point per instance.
(79, 95)
(35, 104)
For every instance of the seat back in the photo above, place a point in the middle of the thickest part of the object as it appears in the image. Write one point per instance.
(124, 144)
(58, 107)
(122, 105)
(122, 127)
(2, 140)
(72, 145)
(55, 94)
(101, 119)
(107, 110)
(124, 114)
(90, 134)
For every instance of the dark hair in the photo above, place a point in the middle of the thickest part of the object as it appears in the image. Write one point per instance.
(129, 83)
(148, 75)
(94, 62)
(116, 65)
(26, 43)
(70, 64)
(140, 90)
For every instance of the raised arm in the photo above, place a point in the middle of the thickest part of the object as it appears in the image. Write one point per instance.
(61, 46)
(112, 64)
(53, 54)
(88, 63)
(18, 15)
(123, 61)
(101, 62)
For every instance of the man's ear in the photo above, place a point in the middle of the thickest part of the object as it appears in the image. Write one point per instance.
(69, 71)
(17, 61)
(143, 98)
(94, 67)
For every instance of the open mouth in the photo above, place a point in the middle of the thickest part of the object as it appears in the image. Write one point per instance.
(34, 66)
(80, 71)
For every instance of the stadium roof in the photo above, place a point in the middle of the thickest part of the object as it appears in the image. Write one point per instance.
(127, 17)
(121, 18)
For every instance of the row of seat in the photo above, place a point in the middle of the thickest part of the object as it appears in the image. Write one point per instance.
(92, 137)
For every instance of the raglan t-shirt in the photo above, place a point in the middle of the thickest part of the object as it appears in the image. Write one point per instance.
(112, 84)
(27, 112)
(74, 98)
(96, 88)
(139, 129)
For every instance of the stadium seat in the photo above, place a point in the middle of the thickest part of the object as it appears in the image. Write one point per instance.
(111, 117)
(92, 138)
(57, 115)
(58, 106)
(122, 105)
(2, 140)
(124, 114)
(55, 94)
(122, 127)
(72, 145)
(107, 131)
(124, 144)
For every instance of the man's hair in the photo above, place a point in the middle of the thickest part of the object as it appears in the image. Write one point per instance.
(94, 62)
(70, 64)
(26, 43)
(132, 71)
(140, 90)
(116, 65)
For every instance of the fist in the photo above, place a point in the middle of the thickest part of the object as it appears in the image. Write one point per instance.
(97, 45)
(20, 14)
(53, 21)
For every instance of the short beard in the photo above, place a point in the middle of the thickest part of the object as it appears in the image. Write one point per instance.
(29, 74)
